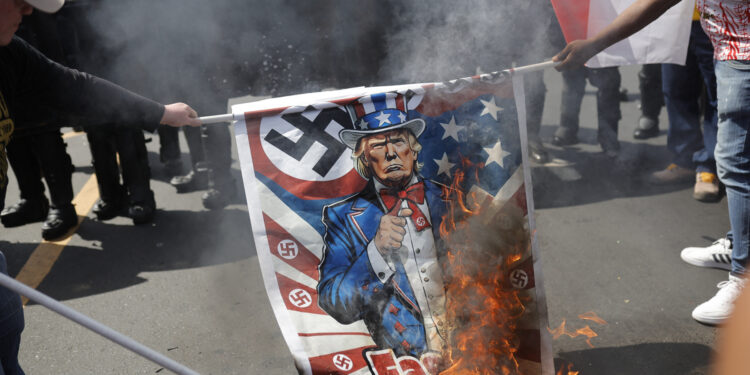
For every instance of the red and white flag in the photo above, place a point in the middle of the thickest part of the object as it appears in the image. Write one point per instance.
(663, 41)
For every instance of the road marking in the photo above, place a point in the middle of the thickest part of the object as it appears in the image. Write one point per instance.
(45, 255)
(72, 134)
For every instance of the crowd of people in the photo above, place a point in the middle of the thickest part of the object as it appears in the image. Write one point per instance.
(705, 100)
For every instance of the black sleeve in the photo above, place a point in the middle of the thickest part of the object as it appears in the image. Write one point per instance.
(78, 93)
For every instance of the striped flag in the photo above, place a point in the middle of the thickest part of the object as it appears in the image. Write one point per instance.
(295, 167)
(663, 41)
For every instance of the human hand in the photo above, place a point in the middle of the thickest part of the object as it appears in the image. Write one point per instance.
(391, 231)
(575, 54)
(179, 114)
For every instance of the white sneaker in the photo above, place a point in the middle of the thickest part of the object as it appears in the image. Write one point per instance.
(719, 308)
(718, 255)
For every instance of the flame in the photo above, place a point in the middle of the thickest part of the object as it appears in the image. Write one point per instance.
(568, 371)
(482, 310)
(585, 331)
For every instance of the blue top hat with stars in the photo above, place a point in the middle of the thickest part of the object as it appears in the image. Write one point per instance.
(378, 113)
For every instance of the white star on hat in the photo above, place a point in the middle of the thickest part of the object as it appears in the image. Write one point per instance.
(384, 118)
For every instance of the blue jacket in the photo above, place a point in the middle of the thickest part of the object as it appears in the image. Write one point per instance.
(349, 290)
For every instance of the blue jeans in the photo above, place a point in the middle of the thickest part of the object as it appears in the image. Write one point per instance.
(733, 152)
(682, 91)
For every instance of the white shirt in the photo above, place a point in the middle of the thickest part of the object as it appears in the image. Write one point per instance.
(419, 257)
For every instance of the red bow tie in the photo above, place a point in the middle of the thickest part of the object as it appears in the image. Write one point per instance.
(413, 195)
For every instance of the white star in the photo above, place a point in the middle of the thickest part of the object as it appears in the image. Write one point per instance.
(490, 108)
(444, 165)
(402, 117)
(496, 154)
(384, 118)
(451, 129)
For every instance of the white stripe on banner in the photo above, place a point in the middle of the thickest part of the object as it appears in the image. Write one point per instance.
(322, 345)
(316, 323)
(283, 215)
(292, 273)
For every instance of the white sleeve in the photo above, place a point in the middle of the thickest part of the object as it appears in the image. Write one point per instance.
(383, 269)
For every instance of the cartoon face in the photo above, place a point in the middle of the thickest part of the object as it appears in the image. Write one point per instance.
(390, 157)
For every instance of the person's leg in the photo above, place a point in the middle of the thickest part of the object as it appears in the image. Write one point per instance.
(535, 92)
(197, 177)
(33, 205)
(707, 187)
(58, 172)
(217, 141)
(652, 99)
(574, 84)
(104, 159)
(733, 166)
(136, 174)
(607, 80)
(169, 150)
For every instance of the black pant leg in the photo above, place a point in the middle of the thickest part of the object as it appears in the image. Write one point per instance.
(26, 168)
(57, 167)
(217, 143)
(104, 157)
(136, 174)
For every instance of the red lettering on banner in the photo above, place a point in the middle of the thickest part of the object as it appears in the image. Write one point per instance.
(384, 362)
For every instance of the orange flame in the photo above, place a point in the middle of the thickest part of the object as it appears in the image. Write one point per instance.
(585, 331)
(568, 371)
(482, 310)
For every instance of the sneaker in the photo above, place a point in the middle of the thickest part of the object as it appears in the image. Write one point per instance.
(142, 212)
(59, 221)
(673, 174)
(648, 127)
(194, 180)
(218, 198)
(24, 212)
(717, 255)
(105, 210)
(707, 187)
(719, 308)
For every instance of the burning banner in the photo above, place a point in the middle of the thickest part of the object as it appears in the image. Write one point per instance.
(393, 228)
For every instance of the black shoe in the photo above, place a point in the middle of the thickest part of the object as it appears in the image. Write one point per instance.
(217, 198)
(142, 212)
(25, 212)
(59, 221)
(105, 210)
(647, 128)
(564, 141)
(191, 182)
(538, 153)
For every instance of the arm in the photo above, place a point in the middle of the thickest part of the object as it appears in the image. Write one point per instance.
(347, 283)
(70, 91)
(630, 21)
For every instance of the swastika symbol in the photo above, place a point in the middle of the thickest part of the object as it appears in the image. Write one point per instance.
(300, 298)
(342, 362)
(519, 279)
(420, 221)
(287, 249)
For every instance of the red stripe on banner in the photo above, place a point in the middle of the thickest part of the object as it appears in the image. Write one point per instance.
(400, 103)
(573, 16)
(344, 362)
(351, 183)
(435, 104)
(519, 199)
(359, 108)
(298, 297)
(286, 247)
(529, 347)
(334, 334)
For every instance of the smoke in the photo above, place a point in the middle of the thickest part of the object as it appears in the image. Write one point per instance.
(203, 52)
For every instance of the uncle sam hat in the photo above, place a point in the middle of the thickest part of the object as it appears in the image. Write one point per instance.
(378, 113)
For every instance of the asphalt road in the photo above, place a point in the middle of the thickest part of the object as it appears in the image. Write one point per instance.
(189, 285)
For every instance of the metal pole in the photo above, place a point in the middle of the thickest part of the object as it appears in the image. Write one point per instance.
(94, 325)
(534, 67)
(229, 117)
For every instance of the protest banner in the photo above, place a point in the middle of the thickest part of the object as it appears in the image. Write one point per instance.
(394, 227)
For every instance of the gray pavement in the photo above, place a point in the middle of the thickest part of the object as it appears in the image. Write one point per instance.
(189, 284)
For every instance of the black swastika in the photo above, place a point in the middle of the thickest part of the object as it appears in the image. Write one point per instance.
(313, 131)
